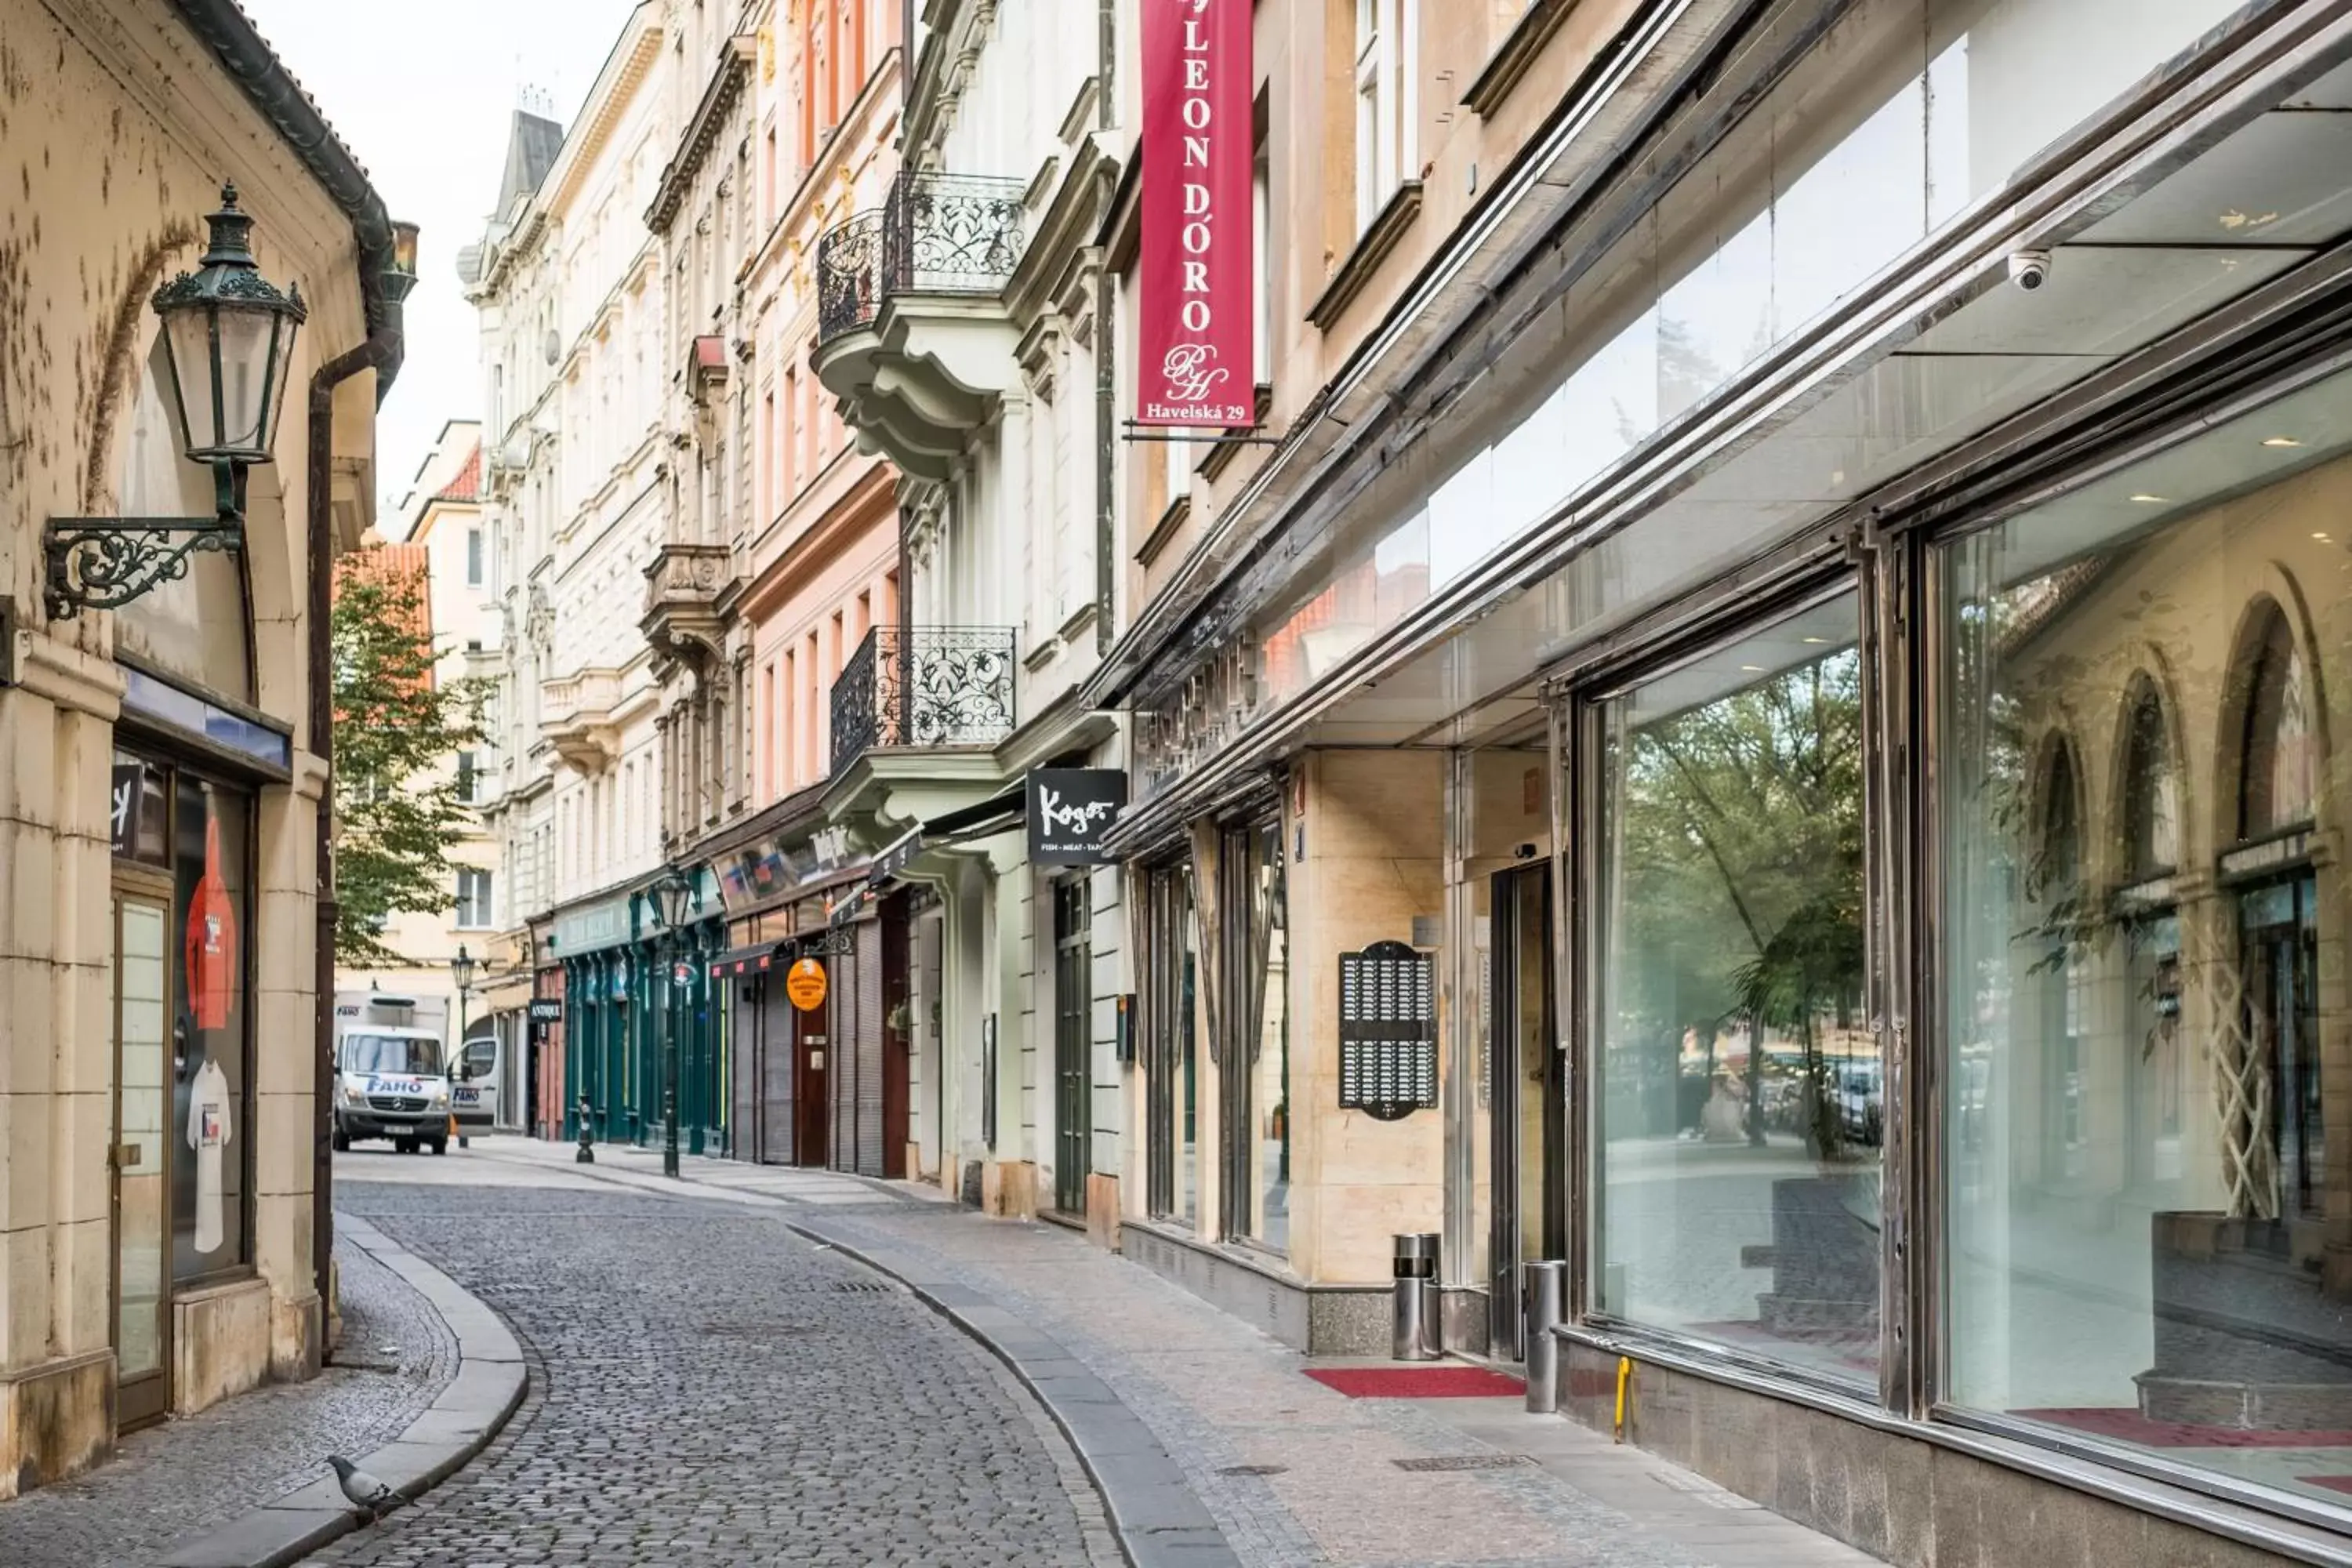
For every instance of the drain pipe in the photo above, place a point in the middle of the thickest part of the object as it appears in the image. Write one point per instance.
(380, 352)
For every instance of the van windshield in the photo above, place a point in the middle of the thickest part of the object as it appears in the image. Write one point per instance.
(392, 1054)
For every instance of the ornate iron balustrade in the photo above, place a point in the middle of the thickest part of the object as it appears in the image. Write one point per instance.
(935, 686)
(848, 275)
(935, 234)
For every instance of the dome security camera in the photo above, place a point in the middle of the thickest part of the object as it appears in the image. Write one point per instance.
(2030, 269)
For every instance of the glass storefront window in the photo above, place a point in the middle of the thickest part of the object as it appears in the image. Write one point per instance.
(2145, 1009)
(211, 1124)
(1269, 1069)
(1170, 1069)
(1740, 1089)
(1902, 115)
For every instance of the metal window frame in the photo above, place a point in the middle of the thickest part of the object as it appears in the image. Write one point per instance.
(2286, 336)
(1717, 618)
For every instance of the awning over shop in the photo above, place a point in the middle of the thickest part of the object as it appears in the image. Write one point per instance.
(751, 960)
(982, 819)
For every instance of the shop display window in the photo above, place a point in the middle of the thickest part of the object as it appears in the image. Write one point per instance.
(1172, 1083)
(1739, 1109)
(212, 1124)
(2145, 1029)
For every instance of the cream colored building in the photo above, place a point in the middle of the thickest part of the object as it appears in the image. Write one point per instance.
(963, 319)
(442, 518)
(159, 954)
(573, 298)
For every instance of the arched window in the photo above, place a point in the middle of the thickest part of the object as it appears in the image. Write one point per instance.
(2277, 780)
(2058, 857)
(2151, 805)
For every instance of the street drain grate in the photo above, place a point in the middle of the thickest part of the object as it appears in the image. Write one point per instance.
(1466, 1462)
(862, 1287)
(1255, 1470)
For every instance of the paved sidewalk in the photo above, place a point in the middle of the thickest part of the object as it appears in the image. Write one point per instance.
(1293, 1473)
(178, 1479)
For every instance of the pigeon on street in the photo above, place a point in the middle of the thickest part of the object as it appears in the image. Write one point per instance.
(363, 1488)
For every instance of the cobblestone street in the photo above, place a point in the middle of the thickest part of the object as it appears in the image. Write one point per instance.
(710, 1388)
(173, 1481)
(1294, 1475)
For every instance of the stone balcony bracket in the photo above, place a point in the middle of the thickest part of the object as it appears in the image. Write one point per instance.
(578, 715)
(684, 587)
(913, 340)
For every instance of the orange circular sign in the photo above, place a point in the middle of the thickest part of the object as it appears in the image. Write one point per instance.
(805, 983)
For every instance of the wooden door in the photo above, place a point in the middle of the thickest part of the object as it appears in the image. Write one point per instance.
(811, 1098)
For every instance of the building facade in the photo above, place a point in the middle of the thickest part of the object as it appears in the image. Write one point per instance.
(1789, 617)
(578, 322)
(446, 537)
(161, 819)
(963, 331)
(815, 542)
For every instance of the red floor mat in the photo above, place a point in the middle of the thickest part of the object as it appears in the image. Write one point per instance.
(2131, 1427)
(1416, 1382)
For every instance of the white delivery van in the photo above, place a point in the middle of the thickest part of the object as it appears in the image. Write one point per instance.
(476, 1085)
(392, 1072)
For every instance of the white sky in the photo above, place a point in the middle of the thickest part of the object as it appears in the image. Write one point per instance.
(424, 97)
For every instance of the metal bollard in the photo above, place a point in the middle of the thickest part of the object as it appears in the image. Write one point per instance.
(587, 1155)
(1416, 1309)
(1543, 1292)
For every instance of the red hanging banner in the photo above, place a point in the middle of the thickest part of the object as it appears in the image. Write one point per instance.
(1195, 356)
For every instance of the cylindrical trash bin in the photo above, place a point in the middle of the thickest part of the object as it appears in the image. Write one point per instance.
(1414, 1266)
(1543, 1291)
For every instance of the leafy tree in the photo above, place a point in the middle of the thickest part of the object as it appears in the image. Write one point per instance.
(1742, 846)
(397, 731)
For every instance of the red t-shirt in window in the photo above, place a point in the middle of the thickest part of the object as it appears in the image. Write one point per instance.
(211, 941)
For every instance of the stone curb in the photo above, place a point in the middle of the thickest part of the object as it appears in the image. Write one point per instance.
(1158, 1520)
(460, 1424)
(1161, 1523)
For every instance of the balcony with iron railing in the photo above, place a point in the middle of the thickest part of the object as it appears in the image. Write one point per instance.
(924, 687)
(912, 336)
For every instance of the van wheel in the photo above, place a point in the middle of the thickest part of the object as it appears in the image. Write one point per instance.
(440, 1145)
(341, 1141)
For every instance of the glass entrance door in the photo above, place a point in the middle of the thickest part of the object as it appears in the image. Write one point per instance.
(1072, 1069)
(142, 1187)
(1524, 1091)
(2282, 966)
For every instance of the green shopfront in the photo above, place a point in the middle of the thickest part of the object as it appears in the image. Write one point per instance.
(629, 988)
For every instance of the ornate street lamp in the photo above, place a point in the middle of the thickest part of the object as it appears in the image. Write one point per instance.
(669, 898)
(461, 970)
(228, 344)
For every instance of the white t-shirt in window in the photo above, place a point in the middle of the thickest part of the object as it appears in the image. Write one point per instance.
(209, 1131)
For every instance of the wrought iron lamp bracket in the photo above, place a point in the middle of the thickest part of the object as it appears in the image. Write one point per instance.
(104, 563)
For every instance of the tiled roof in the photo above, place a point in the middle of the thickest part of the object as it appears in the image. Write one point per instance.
(467, 485)
(390, 563)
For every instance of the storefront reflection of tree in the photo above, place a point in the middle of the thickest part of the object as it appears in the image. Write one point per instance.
(1745, 843)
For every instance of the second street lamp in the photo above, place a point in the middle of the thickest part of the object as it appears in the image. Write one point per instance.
(671, 896)
(461, 970)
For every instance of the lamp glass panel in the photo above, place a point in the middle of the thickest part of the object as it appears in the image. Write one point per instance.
(245, 366)
(189, 336)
